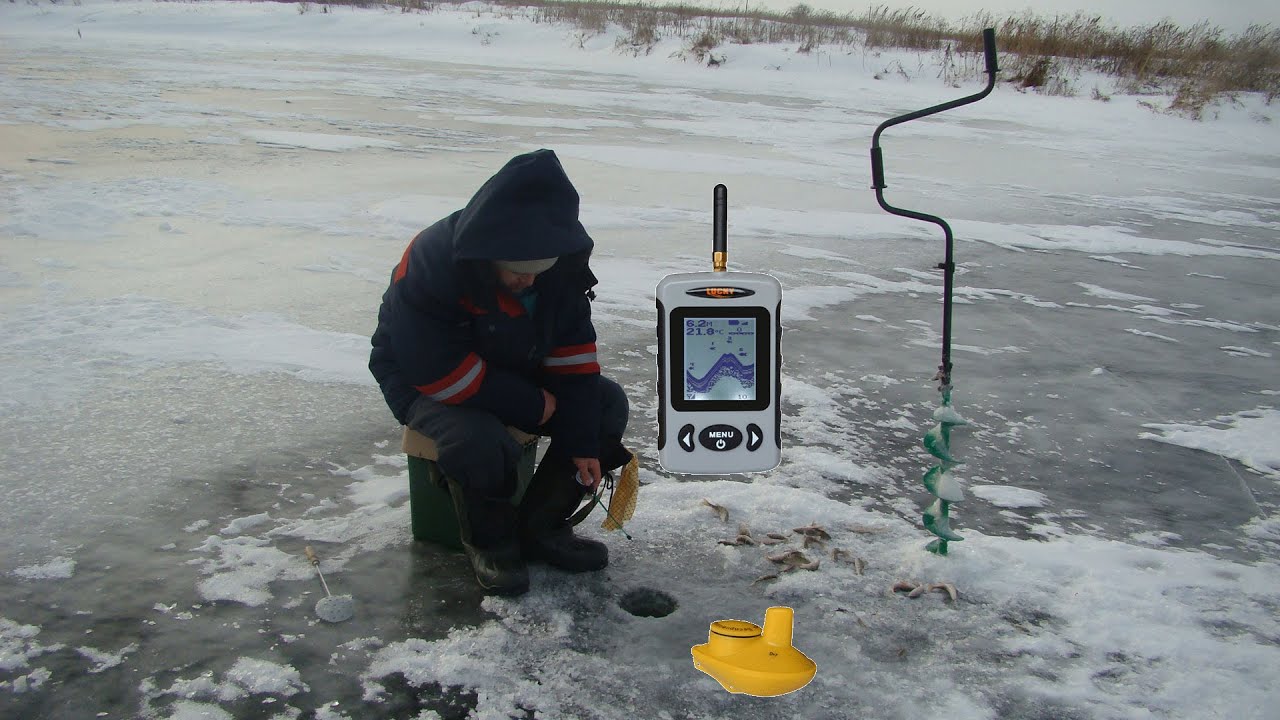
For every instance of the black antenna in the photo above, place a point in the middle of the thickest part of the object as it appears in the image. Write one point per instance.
(948, 266)
(719, 238)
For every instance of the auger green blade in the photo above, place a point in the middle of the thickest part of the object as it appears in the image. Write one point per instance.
(940, 526)
(938, 442)
(939, 482)
(947, 415)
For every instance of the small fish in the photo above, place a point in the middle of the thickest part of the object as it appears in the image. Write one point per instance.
(948, 588)
(859, 565)
(810, 541)
(719, 510)
(787, 556)
(793, 560)
(813, 530)
(915, 589)
(765, 578)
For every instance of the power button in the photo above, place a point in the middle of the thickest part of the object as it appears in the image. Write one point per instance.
(720, 438)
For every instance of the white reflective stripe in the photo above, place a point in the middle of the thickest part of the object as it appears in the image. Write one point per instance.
(463, 383)
(582, 359)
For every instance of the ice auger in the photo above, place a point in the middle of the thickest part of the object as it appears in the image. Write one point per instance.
(937, 441)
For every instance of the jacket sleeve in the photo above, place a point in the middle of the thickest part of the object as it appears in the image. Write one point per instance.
(572, 372)
(430, 341)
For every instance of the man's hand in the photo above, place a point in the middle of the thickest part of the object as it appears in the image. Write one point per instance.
(548, 407)
(588, 471)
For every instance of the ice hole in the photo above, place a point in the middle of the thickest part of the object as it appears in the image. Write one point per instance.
(647, 602)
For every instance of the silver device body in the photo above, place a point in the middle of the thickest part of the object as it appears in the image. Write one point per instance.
(719, 368)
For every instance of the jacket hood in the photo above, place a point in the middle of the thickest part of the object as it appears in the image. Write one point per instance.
(527, 211)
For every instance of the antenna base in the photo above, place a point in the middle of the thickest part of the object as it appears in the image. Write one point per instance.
(719, 261)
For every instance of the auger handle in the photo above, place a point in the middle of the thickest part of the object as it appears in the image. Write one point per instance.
(989, 47)
(878, 184)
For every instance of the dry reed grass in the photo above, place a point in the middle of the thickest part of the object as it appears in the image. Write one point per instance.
(1197, 65)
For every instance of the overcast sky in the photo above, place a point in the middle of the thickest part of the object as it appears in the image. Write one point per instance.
(1231, 15)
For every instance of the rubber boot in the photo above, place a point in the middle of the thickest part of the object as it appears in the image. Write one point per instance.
(545, 532)
(487, 541)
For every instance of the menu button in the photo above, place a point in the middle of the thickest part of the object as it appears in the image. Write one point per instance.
(720, 438)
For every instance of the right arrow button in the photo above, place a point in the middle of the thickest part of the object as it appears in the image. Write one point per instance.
(754, 437)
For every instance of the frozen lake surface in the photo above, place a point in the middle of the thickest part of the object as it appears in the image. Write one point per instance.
(200, 206)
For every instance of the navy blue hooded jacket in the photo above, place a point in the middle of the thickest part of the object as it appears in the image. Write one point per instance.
(449, 330)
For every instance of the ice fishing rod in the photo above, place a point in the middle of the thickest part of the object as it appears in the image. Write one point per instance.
(937, 441)
(948, 266)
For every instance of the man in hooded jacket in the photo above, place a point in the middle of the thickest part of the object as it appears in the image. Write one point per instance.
(487, 323)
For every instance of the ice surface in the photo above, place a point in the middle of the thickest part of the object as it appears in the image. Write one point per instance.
(201, 203)
(1249, 437)
(54, 569)
(1010, 497)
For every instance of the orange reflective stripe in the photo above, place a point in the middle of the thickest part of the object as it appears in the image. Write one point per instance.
(572, 360)
(567, 350)
(403, 268)
(458, 385)
(590, 368)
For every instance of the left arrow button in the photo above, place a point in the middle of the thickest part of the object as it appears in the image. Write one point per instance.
(686, 438)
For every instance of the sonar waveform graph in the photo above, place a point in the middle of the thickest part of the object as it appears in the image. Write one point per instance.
(725, 367)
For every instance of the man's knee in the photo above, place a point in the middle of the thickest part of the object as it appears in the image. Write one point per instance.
(486, 463)
(480, 443)
(473, 446)
(615, 409)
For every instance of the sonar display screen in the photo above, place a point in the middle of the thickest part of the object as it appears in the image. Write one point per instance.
(720, 358)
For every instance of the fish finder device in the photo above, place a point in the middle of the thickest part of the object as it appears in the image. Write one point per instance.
(719, 362)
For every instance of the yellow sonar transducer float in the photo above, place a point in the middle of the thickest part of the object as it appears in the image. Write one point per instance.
(745, 658)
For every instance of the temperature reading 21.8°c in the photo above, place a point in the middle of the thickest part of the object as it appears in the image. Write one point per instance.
(720, 359)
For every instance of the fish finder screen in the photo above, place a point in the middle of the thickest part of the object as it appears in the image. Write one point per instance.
(720, 358)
